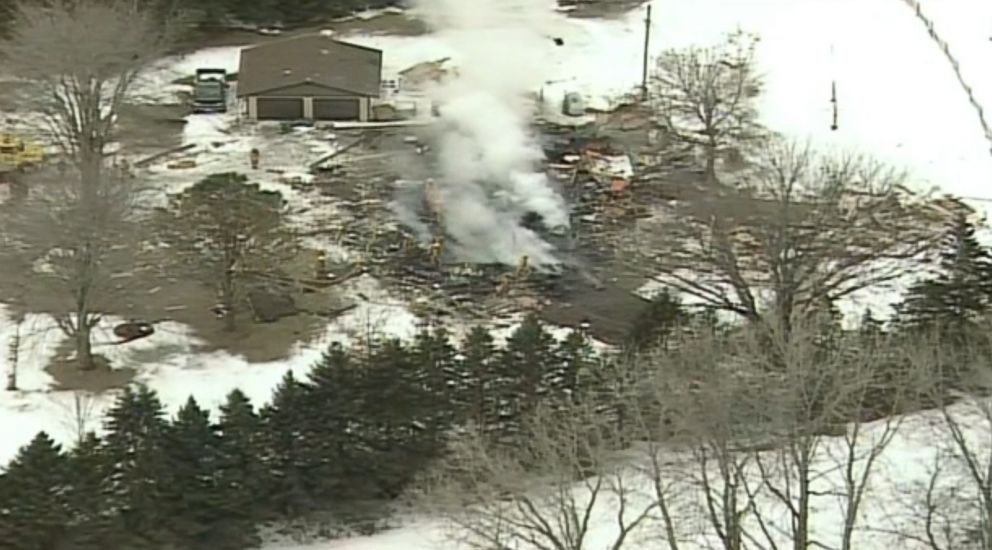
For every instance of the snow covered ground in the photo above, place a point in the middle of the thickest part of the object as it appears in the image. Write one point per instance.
(898, 100)
(891, 503)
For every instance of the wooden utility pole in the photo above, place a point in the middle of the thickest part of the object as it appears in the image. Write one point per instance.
(647, 44)
(833, 90)
(833, 101)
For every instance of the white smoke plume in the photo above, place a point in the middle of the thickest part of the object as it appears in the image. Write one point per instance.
(489, 159)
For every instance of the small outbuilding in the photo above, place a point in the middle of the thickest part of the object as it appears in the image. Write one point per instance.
(309, 77)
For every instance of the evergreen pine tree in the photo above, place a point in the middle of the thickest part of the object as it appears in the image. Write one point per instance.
(961, 290)
(288, 443)
(33, 504)
(524, 362)
(433, 359)
(397, 420)
(90, 514)
(196, 517)
(572, 356)
(140, 476)
(240, 475)
(478, 381)
(656, 323)
(334, 399)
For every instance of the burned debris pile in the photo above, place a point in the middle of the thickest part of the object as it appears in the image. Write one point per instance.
(391, 222)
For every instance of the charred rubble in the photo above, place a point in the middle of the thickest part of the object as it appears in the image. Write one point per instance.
(406, 249)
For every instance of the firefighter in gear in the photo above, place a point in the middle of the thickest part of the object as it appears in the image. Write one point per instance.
(409, 244)
(320, 266)
(255, 157)
(125, 169)
(437, 248)
(523, 268)
(505, 282)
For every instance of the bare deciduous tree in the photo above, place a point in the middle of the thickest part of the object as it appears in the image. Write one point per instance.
(228, 233)
(825, 391)
(772, 444)
(953, 508)
(700, 399)
(79, 414)
(80, 61)
(82, 255)
(706, 96)
(14, 352)
(556, 490)
(801, 230)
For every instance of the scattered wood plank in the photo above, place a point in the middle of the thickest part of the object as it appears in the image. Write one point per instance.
(315, 164)
(332, 314)
(148, 160)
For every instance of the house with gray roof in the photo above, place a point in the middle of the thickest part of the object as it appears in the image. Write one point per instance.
(309, 77)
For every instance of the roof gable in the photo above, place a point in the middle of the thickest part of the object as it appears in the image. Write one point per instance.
(310, 59)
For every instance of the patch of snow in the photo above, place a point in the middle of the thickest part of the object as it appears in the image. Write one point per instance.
(169, 362)
(206, 128)
(899, 475)
(422, 536)
(40, 338)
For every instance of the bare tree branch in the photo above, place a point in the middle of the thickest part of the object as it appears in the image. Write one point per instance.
(801, 230)
(548, 494)
(957, 505)
(80, 61)
(706, 96)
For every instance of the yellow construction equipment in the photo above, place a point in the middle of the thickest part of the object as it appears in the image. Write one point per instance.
(16, 153)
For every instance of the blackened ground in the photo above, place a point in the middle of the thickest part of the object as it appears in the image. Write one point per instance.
(607, 312)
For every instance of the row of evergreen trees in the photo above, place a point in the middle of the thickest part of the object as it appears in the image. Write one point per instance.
(957, 292)
(355, 433)
(223, 13)
(276, 12)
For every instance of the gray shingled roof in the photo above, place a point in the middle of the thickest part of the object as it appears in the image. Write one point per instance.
(310, 59)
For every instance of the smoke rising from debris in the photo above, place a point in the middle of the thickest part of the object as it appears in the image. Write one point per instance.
(489, 161)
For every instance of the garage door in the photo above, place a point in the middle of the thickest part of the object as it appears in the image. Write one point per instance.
(280, 108)
(336, 109)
